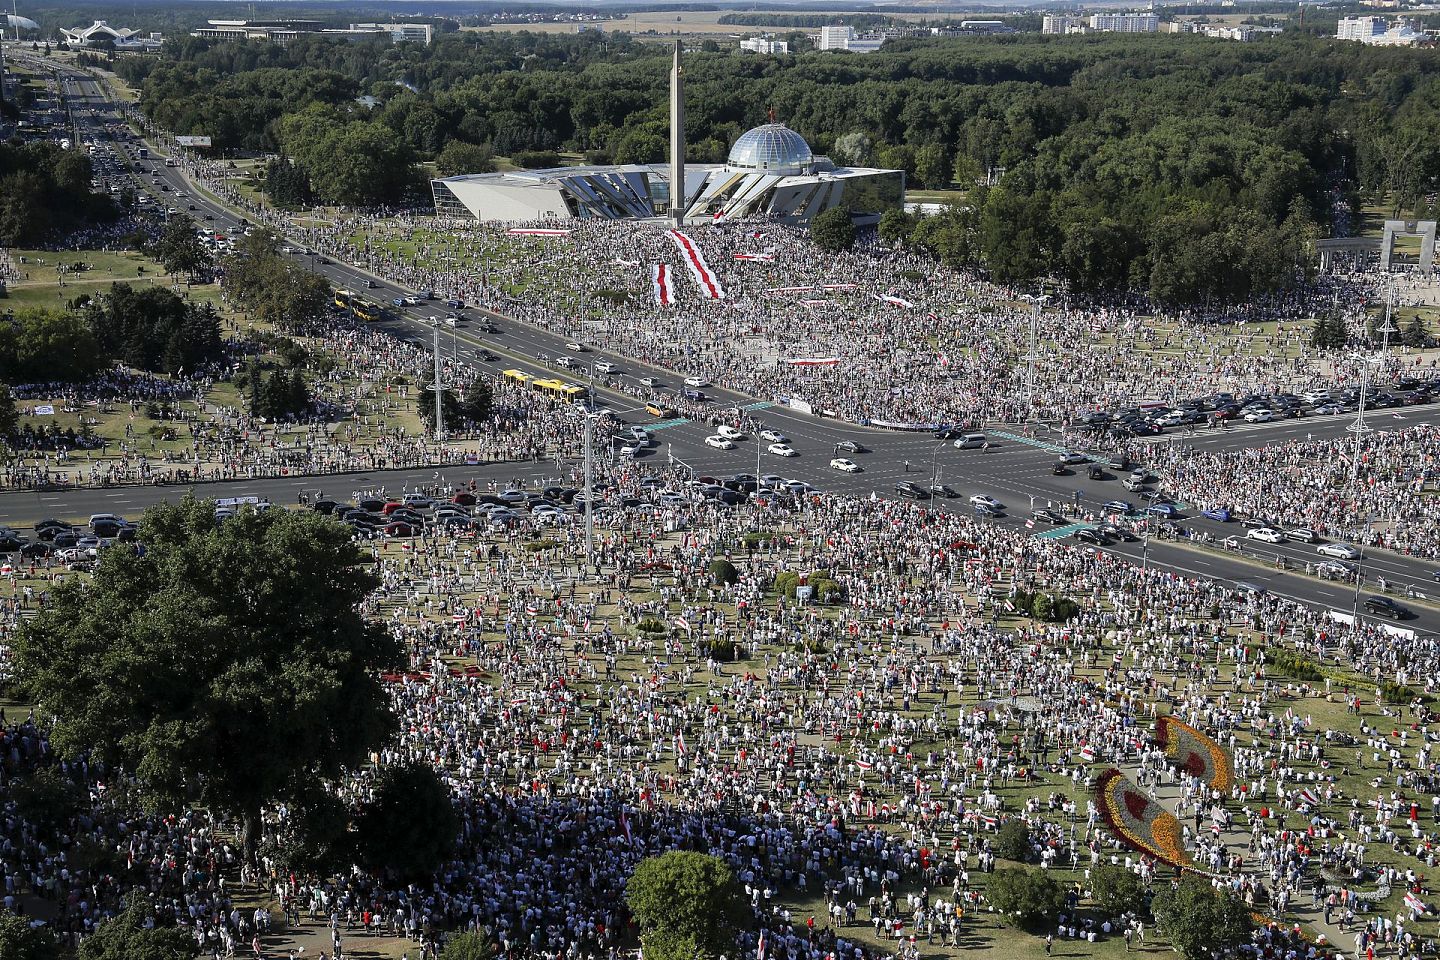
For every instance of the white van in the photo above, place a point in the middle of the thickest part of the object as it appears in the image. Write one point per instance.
(970, 441)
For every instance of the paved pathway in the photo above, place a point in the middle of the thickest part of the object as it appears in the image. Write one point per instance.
(1312, 918)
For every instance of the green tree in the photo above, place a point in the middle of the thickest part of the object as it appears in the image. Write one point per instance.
(1415, 333)
(459, 157)
(833, 230)
(44, 345)
(477, 403)
(450, 407)
(932, 166)
(688, 905)
(468, 946)
(723, 572)
(1116, 890)
(854, 150)
(226, 665)
(1328, 332)
(126, 937)
(1200, 921)
(9, 412)
(1025, 896)
(1013, 840)
(895, 226)
(411, 826)
(180, 250)
(20, 941)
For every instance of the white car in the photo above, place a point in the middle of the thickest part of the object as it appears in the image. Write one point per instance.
(629, 450)
(576, 346)
(412, 301)
(604, 366)
(781, 450)
(1342, 551)
(981, 500)
(729, 432)
(649, 382)
(1259, 416)
(564, 361)
(1071, 458)
(696, 382)
(719, 442)
(1266, 535)
(844, 465)
(774, 436)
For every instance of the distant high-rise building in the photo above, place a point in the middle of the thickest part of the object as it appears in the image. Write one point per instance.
(1125, 22)
(836, 38)
(1058, 24)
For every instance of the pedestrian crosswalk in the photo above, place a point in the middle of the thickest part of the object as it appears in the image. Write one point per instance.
(1029, 441)
(1056, 533)
(667, 424)
(759, 405)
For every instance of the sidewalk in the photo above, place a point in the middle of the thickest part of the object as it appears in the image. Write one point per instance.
(1311, 918)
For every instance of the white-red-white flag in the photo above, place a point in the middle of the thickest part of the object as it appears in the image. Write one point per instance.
(660, 284)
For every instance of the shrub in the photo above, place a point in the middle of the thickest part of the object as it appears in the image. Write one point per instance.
(786, 582)
(1024, 601)
(1013, 841)
(726, 651)
(1025, 896)
(650, 625)
(755, 538)
(1042, 607)
(1287, 663)
(723, 572)
(535, 159)
(536, 546)
(827, 590)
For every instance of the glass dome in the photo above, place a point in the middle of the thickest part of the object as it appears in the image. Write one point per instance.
(771, 148)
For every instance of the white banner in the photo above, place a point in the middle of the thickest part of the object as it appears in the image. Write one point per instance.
(193, 141)
(660, 284)
(812, 361)
(705, 279)
(536, 232)
(45, 410)
(802, 406)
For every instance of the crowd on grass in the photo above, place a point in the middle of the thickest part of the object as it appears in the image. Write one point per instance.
(851, 760)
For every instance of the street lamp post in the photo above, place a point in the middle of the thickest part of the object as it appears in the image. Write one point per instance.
(1359, 427)
(1360, 576)
(1036, 302)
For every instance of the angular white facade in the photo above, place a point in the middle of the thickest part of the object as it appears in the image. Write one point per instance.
(770, 172)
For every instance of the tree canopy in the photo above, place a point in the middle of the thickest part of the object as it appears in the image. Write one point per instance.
(226, 664)
(1200, 921)
(688, 906)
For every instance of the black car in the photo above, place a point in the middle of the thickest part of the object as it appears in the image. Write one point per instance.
(36, 550)
(488, 356)
(1095, 472)
(324, 506)
(1059, 469)
(943, 490)
(949, 433)
(851, 446)
(1091, 535)
(908, 488)
(1385, 607)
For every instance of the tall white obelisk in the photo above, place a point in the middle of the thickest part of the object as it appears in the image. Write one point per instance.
(677, 140)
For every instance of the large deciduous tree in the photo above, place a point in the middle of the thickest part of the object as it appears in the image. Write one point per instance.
(1200, 921)
(688, 906)
(226, 664)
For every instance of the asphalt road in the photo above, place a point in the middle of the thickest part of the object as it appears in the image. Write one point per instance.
(1015, 469)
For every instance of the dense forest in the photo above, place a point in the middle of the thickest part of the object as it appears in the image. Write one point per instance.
(1120, 155)
(45, 189)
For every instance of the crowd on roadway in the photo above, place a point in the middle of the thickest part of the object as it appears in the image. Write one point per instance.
(1378, 491)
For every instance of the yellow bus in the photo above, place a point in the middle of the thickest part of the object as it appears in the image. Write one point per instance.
(366, 311)
(560, 390)
(519, 377)
(343, 299)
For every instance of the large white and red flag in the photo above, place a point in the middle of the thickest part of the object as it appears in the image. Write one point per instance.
(537, 232)
(705, 278)
(660, 283)
(764, 257)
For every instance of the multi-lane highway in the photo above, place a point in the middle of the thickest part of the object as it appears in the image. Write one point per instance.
(1015, 468)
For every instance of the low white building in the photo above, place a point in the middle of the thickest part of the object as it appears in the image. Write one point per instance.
(1378, 32)
(845, 38)
(770, 171)
(764, 45)
(122, 37)
(400, 32)
(1057, 24)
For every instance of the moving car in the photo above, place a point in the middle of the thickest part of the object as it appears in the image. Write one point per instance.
(696, 382)
(1047, 516)
(911, 489)
(943, 490)
(780, 450)
(1071, 458)
(649, 382)
(985, 500)
(844, 465)
(574, 346)
(1302, 535)
(1091, 535)
(1220, 514)
(1118, 506)
(851, 446)
(774, 436)
(1265, 535)
(1385, 607)
(719, 442)
(1340, 551)
(729, 432)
